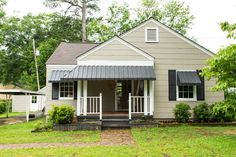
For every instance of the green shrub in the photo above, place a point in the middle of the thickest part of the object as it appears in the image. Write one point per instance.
(224, 111)
(62, 114)
(202, 112)
(43, 126)
(182, 112)
(2, 107)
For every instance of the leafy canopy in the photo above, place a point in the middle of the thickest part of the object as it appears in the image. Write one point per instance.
(223, 65)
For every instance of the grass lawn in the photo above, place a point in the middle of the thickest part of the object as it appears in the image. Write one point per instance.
(21, 133)
(151, 142)
(11, 114)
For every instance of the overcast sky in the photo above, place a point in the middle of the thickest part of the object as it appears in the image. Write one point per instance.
(208, 14)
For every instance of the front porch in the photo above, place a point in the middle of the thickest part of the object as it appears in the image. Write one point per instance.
(115, 99)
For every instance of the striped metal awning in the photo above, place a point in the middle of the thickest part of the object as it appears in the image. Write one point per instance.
(188, 78)
(57, 75)
(105, 73)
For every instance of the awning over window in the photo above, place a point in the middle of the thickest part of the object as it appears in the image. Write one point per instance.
(57, 75)
(105, 73)
(188, 78)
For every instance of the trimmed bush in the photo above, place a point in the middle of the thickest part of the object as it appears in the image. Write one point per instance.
(182, 112)
(224, 111)
(62, 114)
(202, 112)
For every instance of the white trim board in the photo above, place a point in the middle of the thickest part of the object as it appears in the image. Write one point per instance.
(61, 67)
(149, 57)
(171, 31)
(116, 63)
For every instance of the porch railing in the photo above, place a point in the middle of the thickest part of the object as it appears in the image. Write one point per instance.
(137, 105)
(94, 105)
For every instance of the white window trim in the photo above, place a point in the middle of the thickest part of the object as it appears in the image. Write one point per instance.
(32, 99)
(177, 90)
(187, 99)
(157, 35)
(66, 98)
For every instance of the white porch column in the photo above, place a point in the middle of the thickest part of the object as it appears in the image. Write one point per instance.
(145, 96)
(151, 91)
(100, 103)
(79, 92)
(130, 112)
(85, 86)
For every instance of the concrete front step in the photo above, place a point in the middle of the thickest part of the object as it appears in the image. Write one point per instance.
(115, 123)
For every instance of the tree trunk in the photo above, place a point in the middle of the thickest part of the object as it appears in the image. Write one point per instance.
(84, 32)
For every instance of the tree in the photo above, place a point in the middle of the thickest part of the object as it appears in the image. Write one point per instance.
(223, 65)
(48, 30)
(118, 20)
(77, 8)
(173, 13)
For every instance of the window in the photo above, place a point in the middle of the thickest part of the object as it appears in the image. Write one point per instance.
(151, 35)
(66, 89)
(34, 100)
(187, 93)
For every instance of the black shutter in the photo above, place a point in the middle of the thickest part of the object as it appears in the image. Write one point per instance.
(172, 85)
(55, 91)
(75, 90)
(201, 88)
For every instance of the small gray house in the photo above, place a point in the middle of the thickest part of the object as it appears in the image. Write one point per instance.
(145, 71)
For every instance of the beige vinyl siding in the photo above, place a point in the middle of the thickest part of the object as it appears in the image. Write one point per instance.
(171, 52)
(49, 101)
(115, 51)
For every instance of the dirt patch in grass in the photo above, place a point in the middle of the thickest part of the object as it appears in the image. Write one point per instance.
(117, 137)
(230, 132)
(206, 133)
(108, 138)
(80, 135)
(166, 155)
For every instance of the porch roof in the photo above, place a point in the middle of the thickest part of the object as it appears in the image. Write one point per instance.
(108, 73)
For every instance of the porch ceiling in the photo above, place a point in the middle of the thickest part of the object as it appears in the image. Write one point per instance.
(110, 73)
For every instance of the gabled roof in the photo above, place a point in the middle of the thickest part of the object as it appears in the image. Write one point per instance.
(66, 53)
(124, 42)
(172, 31)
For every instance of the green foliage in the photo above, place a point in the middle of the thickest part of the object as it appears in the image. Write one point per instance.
(182, 112)
(63, 114)
(16, 36)
(224, 110)
(229, 28)
(202, 112)
(223, 65)
(3, 106)
(73, 7)
(43, 126)
(173, 13)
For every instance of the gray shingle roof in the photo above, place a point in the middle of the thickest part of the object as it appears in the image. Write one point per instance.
(66, 53)
(105, 73)
(188, 78)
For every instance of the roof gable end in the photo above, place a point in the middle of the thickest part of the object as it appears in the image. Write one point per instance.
(170, 30)
(123, 42)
